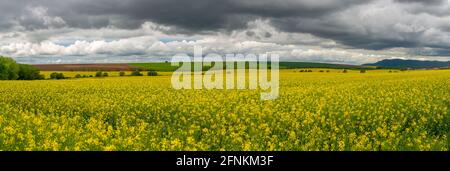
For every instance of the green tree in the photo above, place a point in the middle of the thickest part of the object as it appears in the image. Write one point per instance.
(54, 75)
(99, 74)
(28, 72)
(136, 73)
(9, 69)
(57, 76)
(60, 76)
(152, 73)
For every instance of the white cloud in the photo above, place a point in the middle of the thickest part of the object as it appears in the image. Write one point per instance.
(150, 46)
(151, 40)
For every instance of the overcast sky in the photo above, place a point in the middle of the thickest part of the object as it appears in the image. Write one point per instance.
(345, 31)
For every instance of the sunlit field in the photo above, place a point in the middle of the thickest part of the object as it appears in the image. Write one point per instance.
(377, 110)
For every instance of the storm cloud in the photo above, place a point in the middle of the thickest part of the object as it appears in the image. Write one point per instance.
(348, 31)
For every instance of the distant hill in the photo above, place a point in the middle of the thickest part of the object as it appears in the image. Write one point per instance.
(292, 65)
(400, 63)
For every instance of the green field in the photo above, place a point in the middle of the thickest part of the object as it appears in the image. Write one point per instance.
(157, 66)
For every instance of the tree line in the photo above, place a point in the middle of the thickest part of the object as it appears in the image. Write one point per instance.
(11, 70)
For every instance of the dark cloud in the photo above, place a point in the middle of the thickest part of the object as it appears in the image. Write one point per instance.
(250, 33)
(344, 34)
(377, 26)
(430, 51)
(345, 21)
(424, 2)
(190, 15)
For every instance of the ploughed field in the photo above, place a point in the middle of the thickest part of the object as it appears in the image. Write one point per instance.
(86, 67)
(377, 110)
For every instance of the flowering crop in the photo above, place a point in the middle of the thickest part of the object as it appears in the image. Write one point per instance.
(314, 111)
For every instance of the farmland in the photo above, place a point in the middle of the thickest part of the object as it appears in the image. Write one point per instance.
(167, 67)
(85, 67)
(72, 74)
(377, 110)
